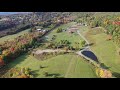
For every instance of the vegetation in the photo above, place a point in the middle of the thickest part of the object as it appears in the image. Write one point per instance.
(59, 30)
(64, 39)
(12, 37)
(103, 73)
(13, 49)
(57, 66)
(101, 30)
(106, 51)
(18, 73)
(83, 42)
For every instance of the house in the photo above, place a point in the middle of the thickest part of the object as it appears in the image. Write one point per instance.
(39, 29)
(43, 31)
(72, 30)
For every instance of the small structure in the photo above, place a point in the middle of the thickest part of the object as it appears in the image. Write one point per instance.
(72, 29)
(39, 29)
(43, 31)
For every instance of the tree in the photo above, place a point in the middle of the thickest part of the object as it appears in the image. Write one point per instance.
(0, 50)
(83, 42)
(1, 61)
(77, 45)
(59, 30)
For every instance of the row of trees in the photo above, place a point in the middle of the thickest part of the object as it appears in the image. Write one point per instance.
(12, 49)
(65, 44)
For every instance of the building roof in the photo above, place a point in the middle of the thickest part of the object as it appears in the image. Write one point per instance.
(38, 29)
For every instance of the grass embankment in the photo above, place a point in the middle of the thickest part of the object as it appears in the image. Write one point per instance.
(106, 51)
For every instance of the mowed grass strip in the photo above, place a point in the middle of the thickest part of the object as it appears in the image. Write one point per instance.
(56, 66)
(81, 69)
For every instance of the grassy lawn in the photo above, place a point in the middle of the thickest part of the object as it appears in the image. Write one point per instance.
(106, 51)
(11, 37)
(58, 66)
(66, 35)
(83, 29)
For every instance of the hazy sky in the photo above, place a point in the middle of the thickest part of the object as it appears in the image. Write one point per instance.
(6, 13)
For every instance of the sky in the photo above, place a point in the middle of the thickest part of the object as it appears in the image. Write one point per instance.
(7, 13)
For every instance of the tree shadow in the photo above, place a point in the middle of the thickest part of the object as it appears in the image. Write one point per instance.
(17, 60)
(55, 75)
(116, 74)
(34, 73)
(89, 44)
(41, 67)
(104, 66)
(12, 64)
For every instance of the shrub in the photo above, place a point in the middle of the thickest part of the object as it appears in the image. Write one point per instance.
(103, 73)
(83, 42)
(46, 74)
(59, 30)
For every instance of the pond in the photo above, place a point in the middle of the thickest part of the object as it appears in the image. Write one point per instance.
(90, 55)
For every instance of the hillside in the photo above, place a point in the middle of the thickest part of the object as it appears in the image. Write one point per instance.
(60, 45)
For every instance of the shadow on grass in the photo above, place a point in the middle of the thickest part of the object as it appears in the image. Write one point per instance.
(55, 75)
(18, 60)
(89, 44)
(116, 74)
(104, 66)
(41, 67)
(12, 64)
(34, 73)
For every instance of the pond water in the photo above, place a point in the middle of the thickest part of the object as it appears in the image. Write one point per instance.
(90, 55)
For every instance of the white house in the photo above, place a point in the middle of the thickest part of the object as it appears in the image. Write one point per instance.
(38, 29)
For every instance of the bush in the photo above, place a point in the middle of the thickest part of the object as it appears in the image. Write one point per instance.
(46, 74)
(59, 30)
(83, 42)
(103, 73)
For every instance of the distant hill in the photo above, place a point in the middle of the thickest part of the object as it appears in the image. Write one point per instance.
(99, 14)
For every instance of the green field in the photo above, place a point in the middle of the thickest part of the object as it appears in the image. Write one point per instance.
(106, 51)
(65, 35)
(68, 66)
(11, 37)
(83, 29)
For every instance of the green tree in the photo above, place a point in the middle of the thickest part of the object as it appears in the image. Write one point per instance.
(83, 42)
(59, 30)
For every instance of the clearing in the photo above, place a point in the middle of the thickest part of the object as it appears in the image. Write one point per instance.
(57, 66)
(65, 35)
